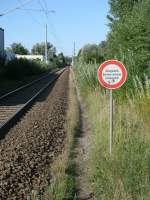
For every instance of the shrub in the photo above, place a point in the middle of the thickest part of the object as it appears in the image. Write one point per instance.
(19, 68)
(2, 61)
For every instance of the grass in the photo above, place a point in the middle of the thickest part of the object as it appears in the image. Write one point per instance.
(126, 174)
(63, 169)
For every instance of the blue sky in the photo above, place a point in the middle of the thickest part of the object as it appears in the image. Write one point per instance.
(82, 21)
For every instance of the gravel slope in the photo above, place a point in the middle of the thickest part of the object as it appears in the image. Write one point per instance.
(31, 145)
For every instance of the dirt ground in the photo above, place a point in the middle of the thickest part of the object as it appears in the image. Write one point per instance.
(82, 151)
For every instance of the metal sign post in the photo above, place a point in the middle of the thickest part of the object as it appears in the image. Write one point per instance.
(111, 74)
(110, 121)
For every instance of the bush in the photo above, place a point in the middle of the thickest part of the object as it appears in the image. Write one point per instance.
(2, 61)
(129, 34)
(19, 68)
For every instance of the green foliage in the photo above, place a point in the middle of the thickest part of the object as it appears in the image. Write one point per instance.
(86, 76)
(91, 53)
(119, 8)
(59, 60)
(129, 34)
(18, 48)
(2, 61)
(19, 68)
(39, 49)
(124, 175)
(68, 60)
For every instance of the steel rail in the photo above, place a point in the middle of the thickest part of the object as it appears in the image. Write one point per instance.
(26, 85)
(4, 127)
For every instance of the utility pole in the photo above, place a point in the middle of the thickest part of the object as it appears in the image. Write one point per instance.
(38, 10)
(46, 51)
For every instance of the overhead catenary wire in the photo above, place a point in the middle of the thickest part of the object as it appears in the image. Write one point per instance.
(41, 5)
(45, 4)
(32, 17)
(46, 12)
(15, 8)
(44, 8)
(37, 10)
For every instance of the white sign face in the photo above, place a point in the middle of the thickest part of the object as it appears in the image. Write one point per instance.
(112, 74)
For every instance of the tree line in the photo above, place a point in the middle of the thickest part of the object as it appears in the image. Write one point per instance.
(39, 49)
(128, 39)
(19, 69)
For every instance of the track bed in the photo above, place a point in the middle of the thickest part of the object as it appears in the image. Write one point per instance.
(30, 146)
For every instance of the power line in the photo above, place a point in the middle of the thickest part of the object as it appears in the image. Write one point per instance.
(41, 5)
(43, 9)
(45, 3)
(46, 12)
(38, 10)
(53, 30)
(15, 8)
(54, 33)
(33, 18)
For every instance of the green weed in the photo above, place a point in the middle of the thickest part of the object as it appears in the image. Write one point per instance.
(125, 174)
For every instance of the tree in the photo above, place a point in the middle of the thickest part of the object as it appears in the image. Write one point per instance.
(39, 48)
(18, 48)
(60, 61)
(119, 8)
(68, 60)
(128, 39)
(90, 53)
(2, 60)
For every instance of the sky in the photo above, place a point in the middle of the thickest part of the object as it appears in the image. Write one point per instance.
(82, 21)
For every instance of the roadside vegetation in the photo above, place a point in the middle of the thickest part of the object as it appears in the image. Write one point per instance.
(20, 68)
(125, 174)
(16, 72)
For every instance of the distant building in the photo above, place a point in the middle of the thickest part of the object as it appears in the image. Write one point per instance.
(31, 57)
(1, 41)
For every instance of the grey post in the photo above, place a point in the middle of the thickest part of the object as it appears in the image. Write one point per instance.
(110, 122)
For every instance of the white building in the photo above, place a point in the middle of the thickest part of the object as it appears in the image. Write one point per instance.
(31, 57)
(1, 41)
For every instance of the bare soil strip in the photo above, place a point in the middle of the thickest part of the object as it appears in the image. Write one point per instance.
(81, 152)
(83, 188)
(30, 146)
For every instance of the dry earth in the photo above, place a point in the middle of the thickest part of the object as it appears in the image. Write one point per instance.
(82, 154)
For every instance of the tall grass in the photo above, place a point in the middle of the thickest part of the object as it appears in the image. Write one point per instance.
(86, 76)
(126, 174)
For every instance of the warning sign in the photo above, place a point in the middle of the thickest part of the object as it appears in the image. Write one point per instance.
(112, 74)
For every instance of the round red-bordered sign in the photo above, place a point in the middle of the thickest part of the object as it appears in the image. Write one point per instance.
(112, 74)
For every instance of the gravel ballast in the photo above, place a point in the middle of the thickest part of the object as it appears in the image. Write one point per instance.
(30, 146)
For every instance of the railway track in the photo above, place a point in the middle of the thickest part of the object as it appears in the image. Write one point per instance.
(14, 104)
